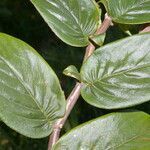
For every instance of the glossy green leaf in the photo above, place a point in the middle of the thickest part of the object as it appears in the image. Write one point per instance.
(118, 75)
(128, 11)
(116, 131)
(31, 98)
(73, 21)
(72, 71)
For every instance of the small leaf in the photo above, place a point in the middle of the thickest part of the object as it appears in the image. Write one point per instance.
(73, 21)
(118, 75)
(116, 131)
(72, 71)
(128, 11)
(98, 39)
(31, 99)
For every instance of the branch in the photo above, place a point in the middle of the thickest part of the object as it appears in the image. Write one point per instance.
(89, 50)
(105, 25)
(102, 29)
(74, 95)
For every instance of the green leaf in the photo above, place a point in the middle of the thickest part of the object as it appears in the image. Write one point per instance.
(73, 21)
(99, 39)
(128, 11)
(118, 75)
(31, 98)
(72, 71)
(116, 131)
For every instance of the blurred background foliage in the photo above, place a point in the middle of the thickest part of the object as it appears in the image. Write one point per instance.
(20, 19)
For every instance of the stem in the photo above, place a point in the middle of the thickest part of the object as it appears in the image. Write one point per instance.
(145, 28)
(74, 95)
(89, 50)
(103, 28)
(105, 25)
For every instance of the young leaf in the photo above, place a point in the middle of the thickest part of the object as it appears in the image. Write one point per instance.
(73, 21)
(99, 39)
(118, 75)
(116, 131)
(31, 98)
(128, 11)
(72, 71)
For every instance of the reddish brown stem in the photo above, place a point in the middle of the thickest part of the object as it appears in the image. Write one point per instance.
(102, 29)
(74, 95)
(105, 25)
(145, 28)
(89, 50)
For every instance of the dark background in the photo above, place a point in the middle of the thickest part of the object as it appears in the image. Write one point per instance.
(20, 19)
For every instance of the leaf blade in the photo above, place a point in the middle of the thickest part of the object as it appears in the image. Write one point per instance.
(72, 71)
(73, 21)
(127, 11)
(117, 75)
(112, 131)
(29, 88)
